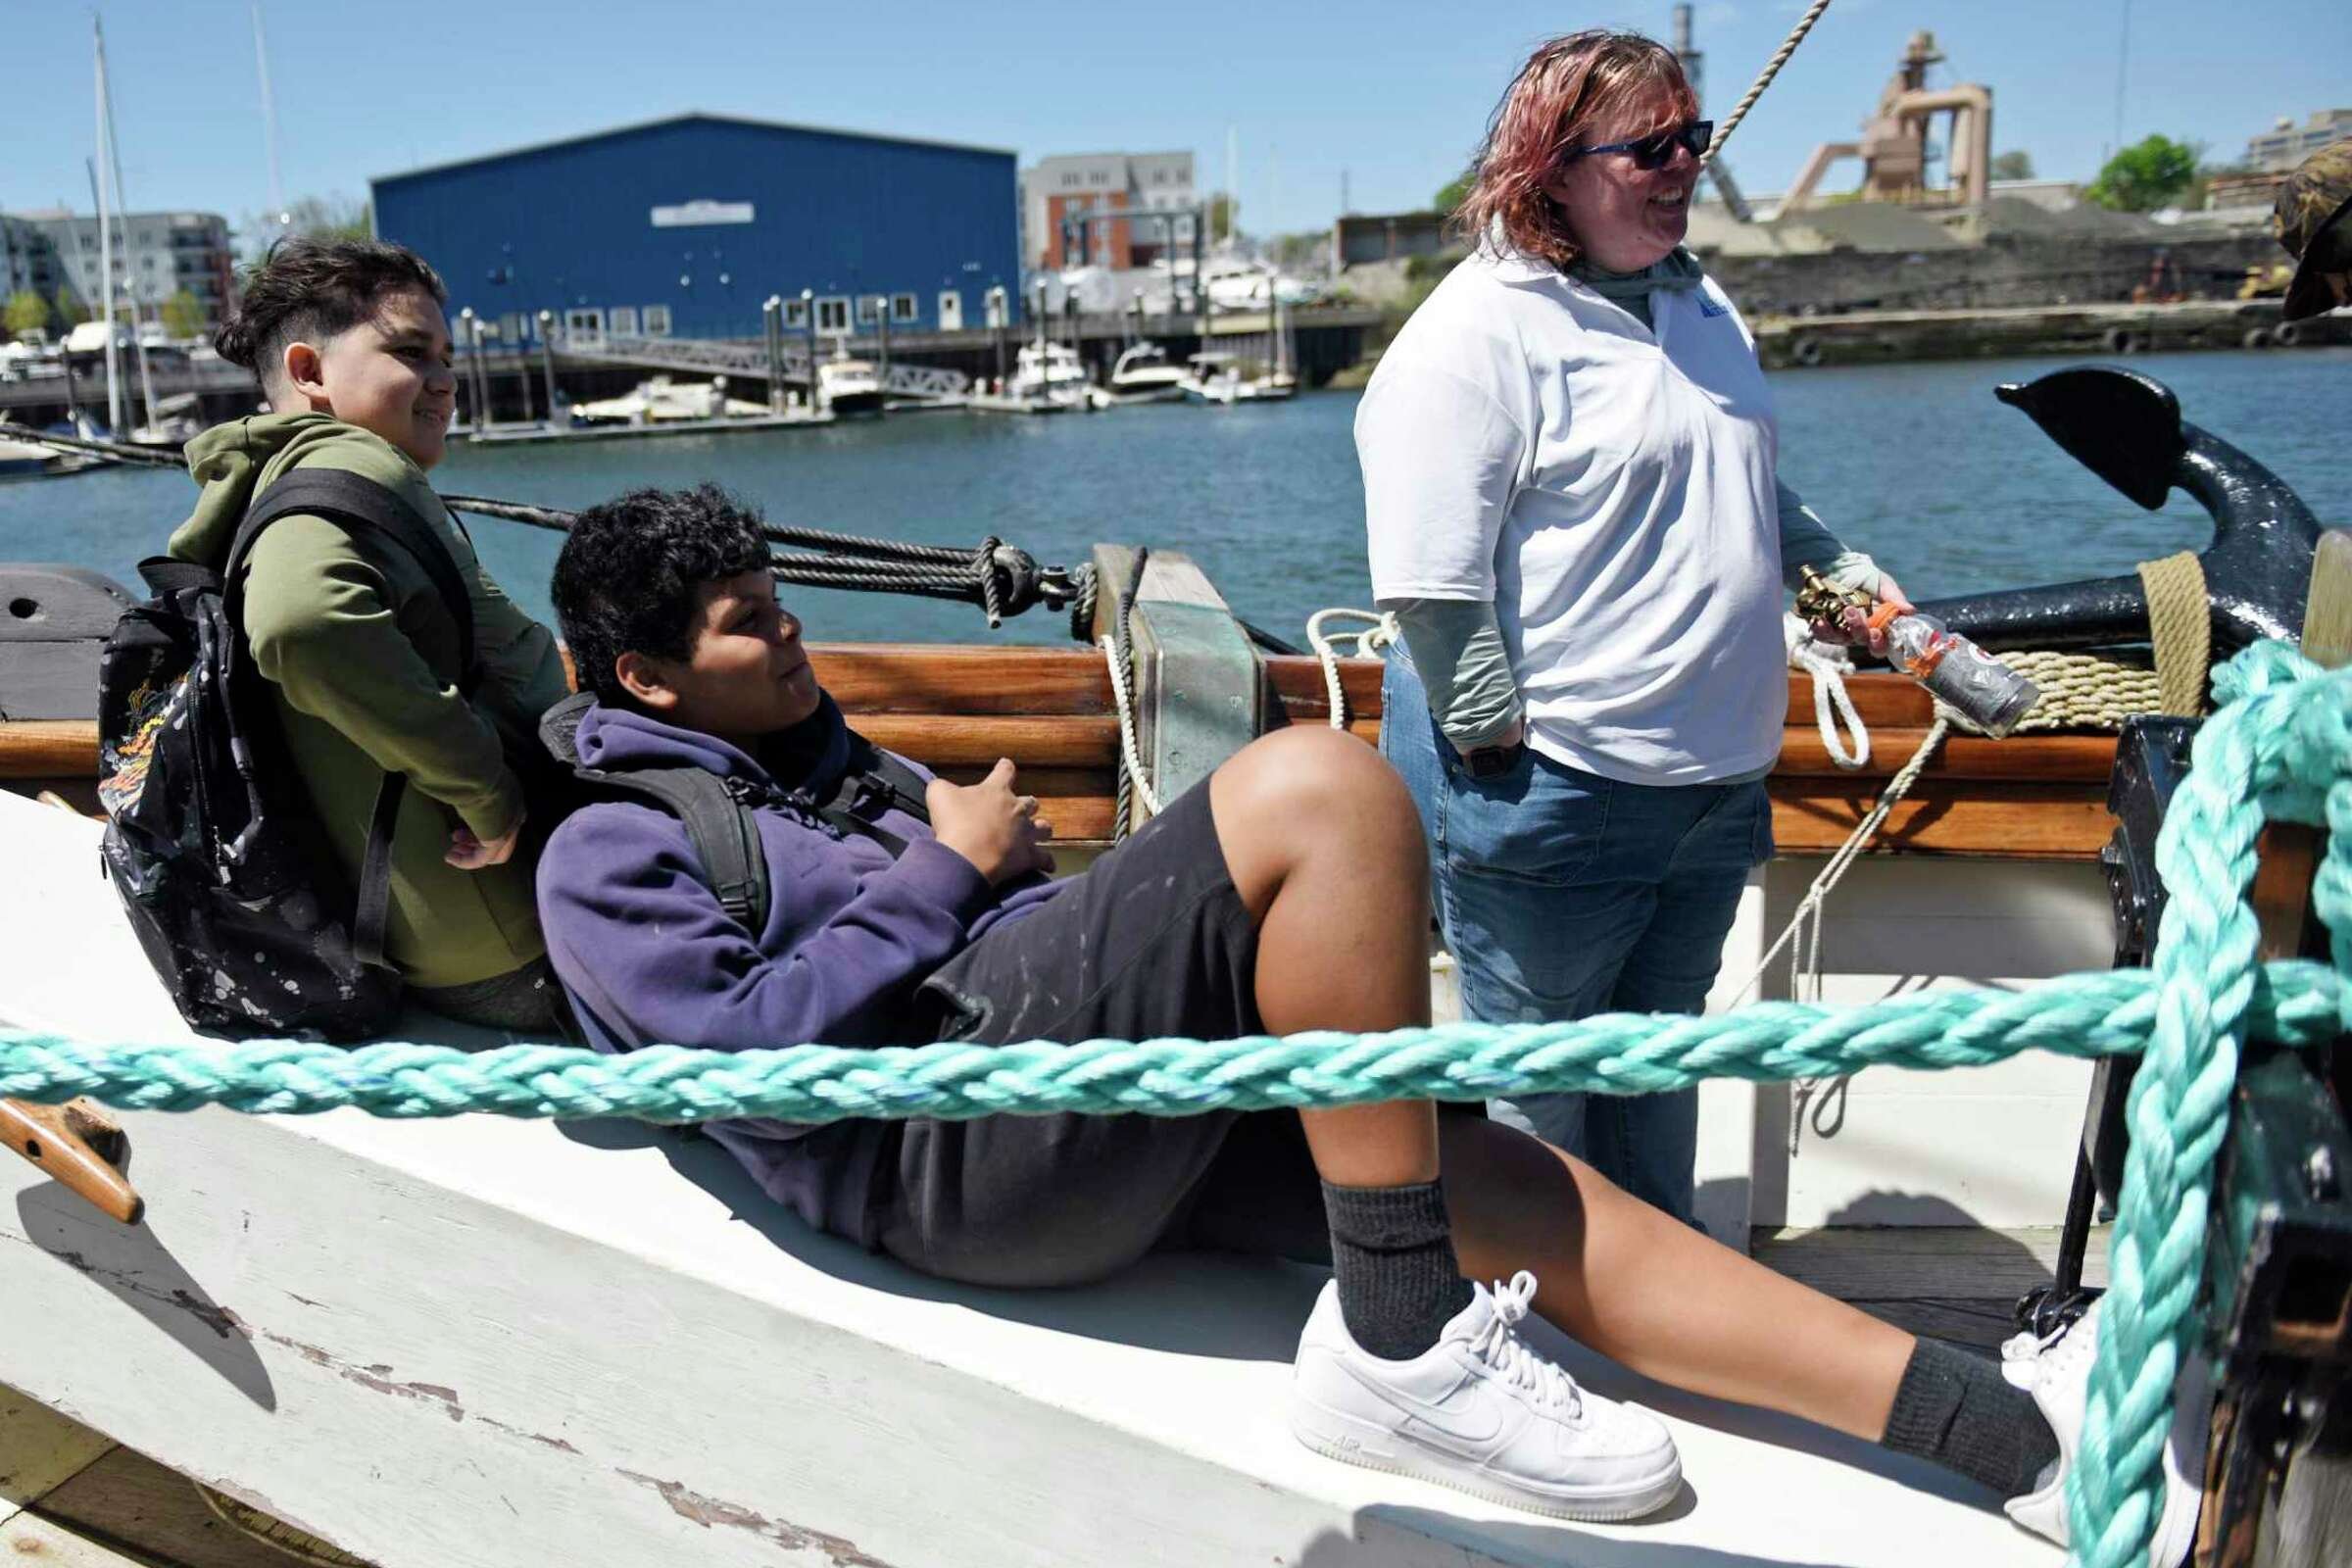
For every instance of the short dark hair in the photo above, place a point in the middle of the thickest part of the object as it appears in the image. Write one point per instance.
(626, 576)
(310, 288)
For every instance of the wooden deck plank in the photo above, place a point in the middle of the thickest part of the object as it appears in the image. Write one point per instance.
(128, 1502)
(1897, 1260)
(40, 1450)
(29, 1539)
(1956, 1282)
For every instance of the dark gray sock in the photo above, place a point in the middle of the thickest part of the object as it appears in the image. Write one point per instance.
(1954, 1408)
(1392, 1253)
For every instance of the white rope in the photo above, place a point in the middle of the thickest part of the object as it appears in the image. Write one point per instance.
(1829, 666)
(1382, 632)
(1125, 700)
(1772, 68)
(1805, 924)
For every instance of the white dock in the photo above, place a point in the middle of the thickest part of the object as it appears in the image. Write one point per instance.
(484, 1342)
(544, 434)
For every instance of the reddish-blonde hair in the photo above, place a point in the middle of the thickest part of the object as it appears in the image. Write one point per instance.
(1568, 87)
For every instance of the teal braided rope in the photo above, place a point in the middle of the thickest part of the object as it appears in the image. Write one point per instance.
(2108, 1013)
(2280, 743)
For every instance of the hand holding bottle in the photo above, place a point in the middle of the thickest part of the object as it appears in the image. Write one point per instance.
(1985, 692)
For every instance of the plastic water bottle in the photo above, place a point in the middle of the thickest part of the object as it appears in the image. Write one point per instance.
(1985, 691)
(1980, 687)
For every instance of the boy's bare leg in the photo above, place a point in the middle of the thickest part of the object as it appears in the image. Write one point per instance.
(1657, 1296)
(1324, 846)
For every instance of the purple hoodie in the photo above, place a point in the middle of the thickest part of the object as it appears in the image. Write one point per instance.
(648, 956)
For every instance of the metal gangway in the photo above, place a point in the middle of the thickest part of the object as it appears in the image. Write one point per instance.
(750, 359)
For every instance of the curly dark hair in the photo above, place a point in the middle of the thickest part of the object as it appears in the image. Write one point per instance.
(625, 578)
(310, 290)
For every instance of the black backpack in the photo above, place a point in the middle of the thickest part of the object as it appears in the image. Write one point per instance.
(232, 888)
(719, 813)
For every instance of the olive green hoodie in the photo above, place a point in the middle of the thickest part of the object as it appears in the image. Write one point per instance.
(363, 654)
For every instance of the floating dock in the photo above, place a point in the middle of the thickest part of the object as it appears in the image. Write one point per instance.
(1002, 402)
(542, 434)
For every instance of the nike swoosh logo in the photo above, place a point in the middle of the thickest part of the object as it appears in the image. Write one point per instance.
(1429, 1415)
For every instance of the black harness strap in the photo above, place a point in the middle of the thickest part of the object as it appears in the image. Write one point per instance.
(720, 825)
(368, 511)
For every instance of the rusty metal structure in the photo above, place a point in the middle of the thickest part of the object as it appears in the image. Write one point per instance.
(1893, 148)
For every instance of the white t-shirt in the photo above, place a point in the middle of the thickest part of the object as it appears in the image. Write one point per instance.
(1610, 490)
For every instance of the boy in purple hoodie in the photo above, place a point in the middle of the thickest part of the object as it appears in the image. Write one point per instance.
(1290, 893)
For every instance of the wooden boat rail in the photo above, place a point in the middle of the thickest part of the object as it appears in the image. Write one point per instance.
(956, 708)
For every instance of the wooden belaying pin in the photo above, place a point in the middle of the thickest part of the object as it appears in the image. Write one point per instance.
(47, 1136)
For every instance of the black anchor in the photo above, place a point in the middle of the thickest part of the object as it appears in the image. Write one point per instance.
(2126, 429)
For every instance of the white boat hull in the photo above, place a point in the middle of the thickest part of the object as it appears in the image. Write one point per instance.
(482, 1342)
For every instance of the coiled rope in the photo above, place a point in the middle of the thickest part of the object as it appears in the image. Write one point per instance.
(2280, 747)
(1369, 641)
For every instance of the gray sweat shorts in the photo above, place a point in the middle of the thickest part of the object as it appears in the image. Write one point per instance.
(1152, 941)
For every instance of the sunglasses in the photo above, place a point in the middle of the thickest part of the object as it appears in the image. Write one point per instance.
(1656, 151)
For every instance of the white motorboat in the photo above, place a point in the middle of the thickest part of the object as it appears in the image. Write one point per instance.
(173, 422)
(849, 385)
(1142, 374)
(1051, 374)
(662, 401)
(1234, 283)
(21, 460)
(1215, 376)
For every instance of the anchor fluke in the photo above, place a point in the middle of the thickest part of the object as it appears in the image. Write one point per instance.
(2125, 428)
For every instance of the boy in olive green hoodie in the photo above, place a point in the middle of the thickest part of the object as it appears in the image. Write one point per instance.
(348, 340)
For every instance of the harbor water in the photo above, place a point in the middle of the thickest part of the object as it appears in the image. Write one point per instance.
(1918, 464)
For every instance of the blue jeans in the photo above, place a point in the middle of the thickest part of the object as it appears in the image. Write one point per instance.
(1563, 894)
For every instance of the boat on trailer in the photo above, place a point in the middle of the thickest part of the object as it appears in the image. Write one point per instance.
(599, 1343)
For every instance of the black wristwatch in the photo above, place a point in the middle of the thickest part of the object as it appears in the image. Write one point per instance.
(1490, 761)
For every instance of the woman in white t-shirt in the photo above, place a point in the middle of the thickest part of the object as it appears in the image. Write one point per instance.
(1572, 503)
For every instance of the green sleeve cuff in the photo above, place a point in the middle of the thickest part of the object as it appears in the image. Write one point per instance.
(1458, 647)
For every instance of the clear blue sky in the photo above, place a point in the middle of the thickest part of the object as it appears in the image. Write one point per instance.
(1394, 96)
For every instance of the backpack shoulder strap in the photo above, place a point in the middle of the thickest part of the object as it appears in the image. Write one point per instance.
(906, 788)
(874, 782)
(368, 509)
(348, 499)
(720, 825)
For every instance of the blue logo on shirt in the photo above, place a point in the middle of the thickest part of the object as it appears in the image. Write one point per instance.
(1708, 305)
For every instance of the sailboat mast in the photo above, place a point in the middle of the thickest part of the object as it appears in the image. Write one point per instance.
(106, 243)
(113, 160)
(1232, 181)
(278, 189)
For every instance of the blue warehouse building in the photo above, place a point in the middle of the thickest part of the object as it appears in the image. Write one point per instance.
(684, 226)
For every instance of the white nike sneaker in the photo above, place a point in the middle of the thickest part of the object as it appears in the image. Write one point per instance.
(2056, 1371)
(1482, 1411)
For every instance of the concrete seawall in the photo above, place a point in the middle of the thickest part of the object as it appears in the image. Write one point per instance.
(2107, 332)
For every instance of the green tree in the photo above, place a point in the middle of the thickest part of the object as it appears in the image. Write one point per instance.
(27, 311)
(1454, 192)
(70, 312)
(183, 315)
(1222, 211)
(2145, 175)
(2012, 166)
